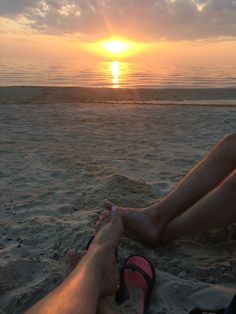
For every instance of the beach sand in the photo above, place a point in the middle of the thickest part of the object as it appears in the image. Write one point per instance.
(59, 160)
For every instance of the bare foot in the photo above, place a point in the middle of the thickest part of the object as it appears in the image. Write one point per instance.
(72, 256)
(142, 224)
(72, 259)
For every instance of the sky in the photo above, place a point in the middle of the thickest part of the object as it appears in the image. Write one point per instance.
(177, 30)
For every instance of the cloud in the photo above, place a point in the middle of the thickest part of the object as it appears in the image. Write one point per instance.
(145, 20)
(12, 8)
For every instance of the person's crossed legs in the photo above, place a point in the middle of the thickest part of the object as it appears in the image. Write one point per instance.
(94, 277)
(205, 198)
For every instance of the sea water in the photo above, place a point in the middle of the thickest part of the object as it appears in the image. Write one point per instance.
(114, 74)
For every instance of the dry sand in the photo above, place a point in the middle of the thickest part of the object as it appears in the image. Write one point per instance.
(60, 160)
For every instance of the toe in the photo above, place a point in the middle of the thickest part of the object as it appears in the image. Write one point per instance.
(106, 216)
(72, 253)
(98, 224)
(72, 259)
(108, 205)
(102, 221)
(116, 219)
(83, 253)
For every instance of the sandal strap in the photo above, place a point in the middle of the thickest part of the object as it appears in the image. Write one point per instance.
(122, 294)
(134, 267)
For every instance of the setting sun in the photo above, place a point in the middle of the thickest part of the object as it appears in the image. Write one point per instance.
(116, 46)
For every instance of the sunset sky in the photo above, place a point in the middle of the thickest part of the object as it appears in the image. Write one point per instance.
(162, 30)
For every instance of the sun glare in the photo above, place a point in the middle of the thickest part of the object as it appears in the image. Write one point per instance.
(116, 46)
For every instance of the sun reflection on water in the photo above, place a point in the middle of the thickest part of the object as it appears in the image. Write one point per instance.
(115, 74)
(115, 66)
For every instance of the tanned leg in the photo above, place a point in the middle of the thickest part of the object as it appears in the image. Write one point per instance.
(217, 208)
(95, 276)
(147, 224)
(73, 259)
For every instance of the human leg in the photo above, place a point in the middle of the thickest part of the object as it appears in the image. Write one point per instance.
(95, 276)
(217, 208)
(103, 306)
(146, 224)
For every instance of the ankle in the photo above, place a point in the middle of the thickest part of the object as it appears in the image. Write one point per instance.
(160, 213)
(95, 255)
(170, 233)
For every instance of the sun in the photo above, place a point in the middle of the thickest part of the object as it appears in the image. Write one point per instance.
(116, 46)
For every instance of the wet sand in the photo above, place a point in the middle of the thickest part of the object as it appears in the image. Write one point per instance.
(188, 96)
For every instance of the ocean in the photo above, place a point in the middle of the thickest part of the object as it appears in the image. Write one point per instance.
(114, 74)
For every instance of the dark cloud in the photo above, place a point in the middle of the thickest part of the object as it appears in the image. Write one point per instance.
(11, 8)
(148, 20)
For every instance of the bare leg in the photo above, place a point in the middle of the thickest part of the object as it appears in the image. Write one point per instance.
(147, 224)
(216, 209)
(95, 276)
(73, 259)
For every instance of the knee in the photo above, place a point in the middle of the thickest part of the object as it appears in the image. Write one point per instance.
(230, 140)
(228, 147)
(232, 179)
(230, 183)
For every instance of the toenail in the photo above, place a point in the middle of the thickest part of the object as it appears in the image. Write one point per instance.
(71, 252)
(114, 209)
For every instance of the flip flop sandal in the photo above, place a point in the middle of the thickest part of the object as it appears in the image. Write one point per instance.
(137, 279)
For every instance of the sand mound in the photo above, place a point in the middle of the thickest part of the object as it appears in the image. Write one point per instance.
(121, 189)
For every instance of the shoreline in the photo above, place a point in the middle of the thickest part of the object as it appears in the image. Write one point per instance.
(186, 97)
